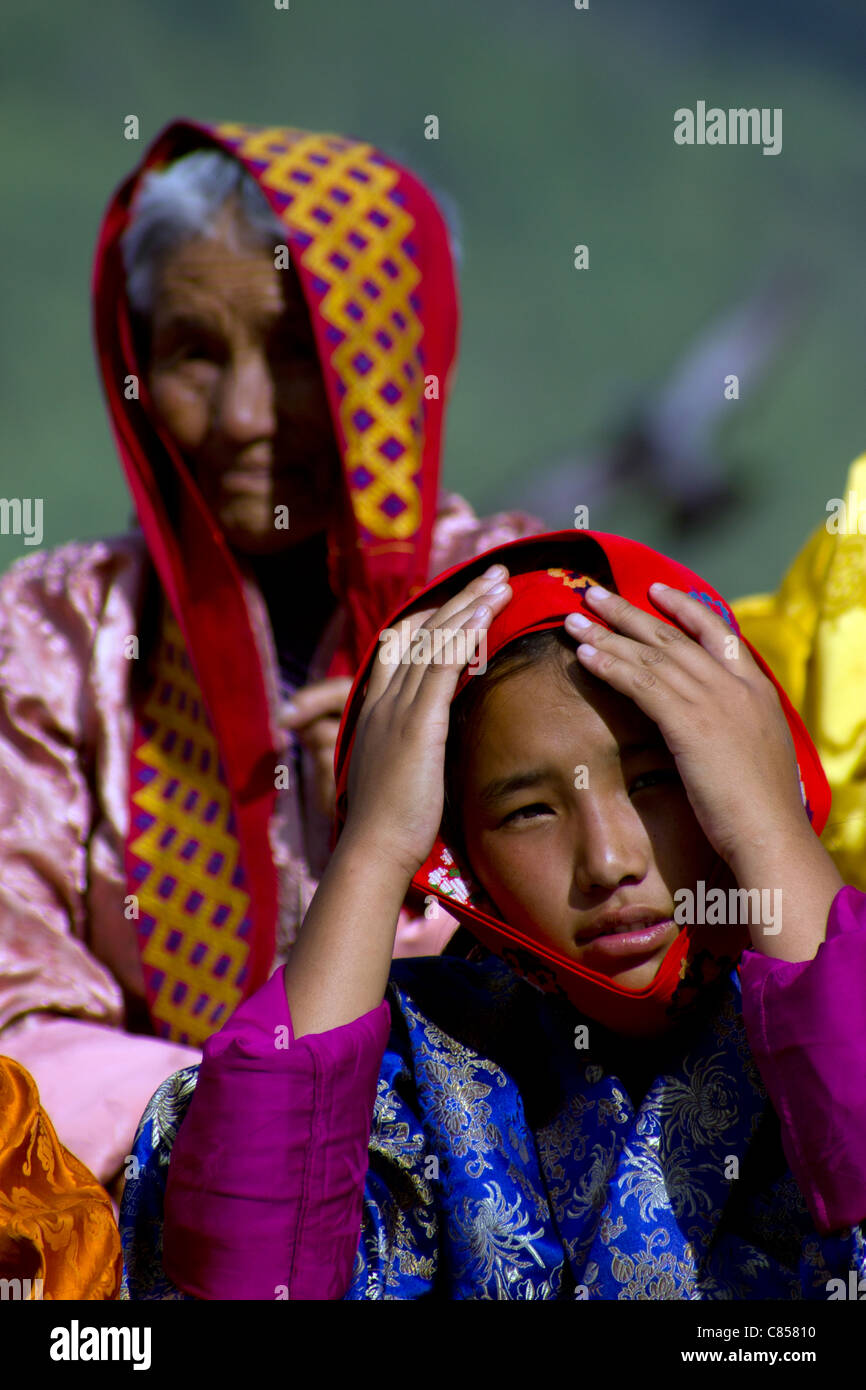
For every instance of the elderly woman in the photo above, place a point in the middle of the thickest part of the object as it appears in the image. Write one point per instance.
(275, 317)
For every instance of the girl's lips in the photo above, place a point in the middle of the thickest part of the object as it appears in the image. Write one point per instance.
(633, 941)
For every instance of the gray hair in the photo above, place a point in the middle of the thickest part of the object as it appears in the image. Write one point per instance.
(175, 204)
(183, 201)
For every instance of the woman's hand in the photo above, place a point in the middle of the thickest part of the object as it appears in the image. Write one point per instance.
(396, 779)
(723, 722)
(314, 712)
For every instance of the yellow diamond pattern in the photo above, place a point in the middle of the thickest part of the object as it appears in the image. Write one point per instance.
(288, 152)
(173, 672)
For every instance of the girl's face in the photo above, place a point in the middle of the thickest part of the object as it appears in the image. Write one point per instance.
(575, 820)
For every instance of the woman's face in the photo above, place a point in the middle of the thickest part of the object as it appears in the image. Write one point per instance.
(576, 822)
(235, 378)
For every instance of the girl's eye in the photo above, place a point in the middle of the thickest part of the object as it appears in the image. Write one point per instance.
(537, 808)
(659, 777)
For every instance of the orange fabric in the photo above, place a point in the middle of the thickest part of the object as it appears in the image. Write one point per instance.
(56, 1222)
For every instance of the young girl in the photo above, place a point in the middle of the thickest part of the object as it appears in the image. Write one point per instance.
(597, 1102)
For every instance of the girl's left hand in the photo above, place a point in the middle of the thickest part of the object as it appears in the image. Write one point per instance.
(718, 713)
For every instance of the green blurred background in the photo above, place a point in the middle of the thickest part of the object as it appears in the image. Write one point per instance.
(556, 127)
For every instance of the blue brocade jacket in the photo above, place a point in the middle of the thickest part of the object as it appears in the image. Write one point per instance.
(517, 1151)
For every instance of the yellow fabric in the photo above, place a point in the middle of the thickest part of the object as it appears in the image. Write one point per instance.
(56, 1222)
(194, 911)
(351, 184)
(812, 632)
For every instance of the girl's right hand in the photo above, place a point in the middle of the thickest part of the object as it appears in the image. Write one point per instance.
(396, 790)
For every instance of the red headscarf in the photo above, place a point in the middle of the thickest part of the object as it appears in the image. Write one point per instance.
(370, 249)
(549, 576)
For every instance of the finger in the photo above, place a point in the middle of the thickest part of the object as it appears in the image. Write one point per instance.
(473, 593)
(642, 683)
(674, 657)
(394, 643)
(312, 701)
(444, 652)
(326, 791)
(684, 653)
(707, 626)
(320, 735)
(639, 655)
(437, 666)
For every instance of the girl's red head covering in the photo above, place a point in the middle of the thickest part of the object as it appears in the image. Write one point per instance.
(549, 577)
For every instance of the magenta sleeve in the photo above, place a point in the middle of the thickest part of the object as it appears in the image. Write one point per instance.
(266, 1180)
(806, 1024)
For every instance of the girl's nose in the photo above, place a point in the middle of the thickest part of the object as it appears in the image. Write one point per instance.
(612, 845)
